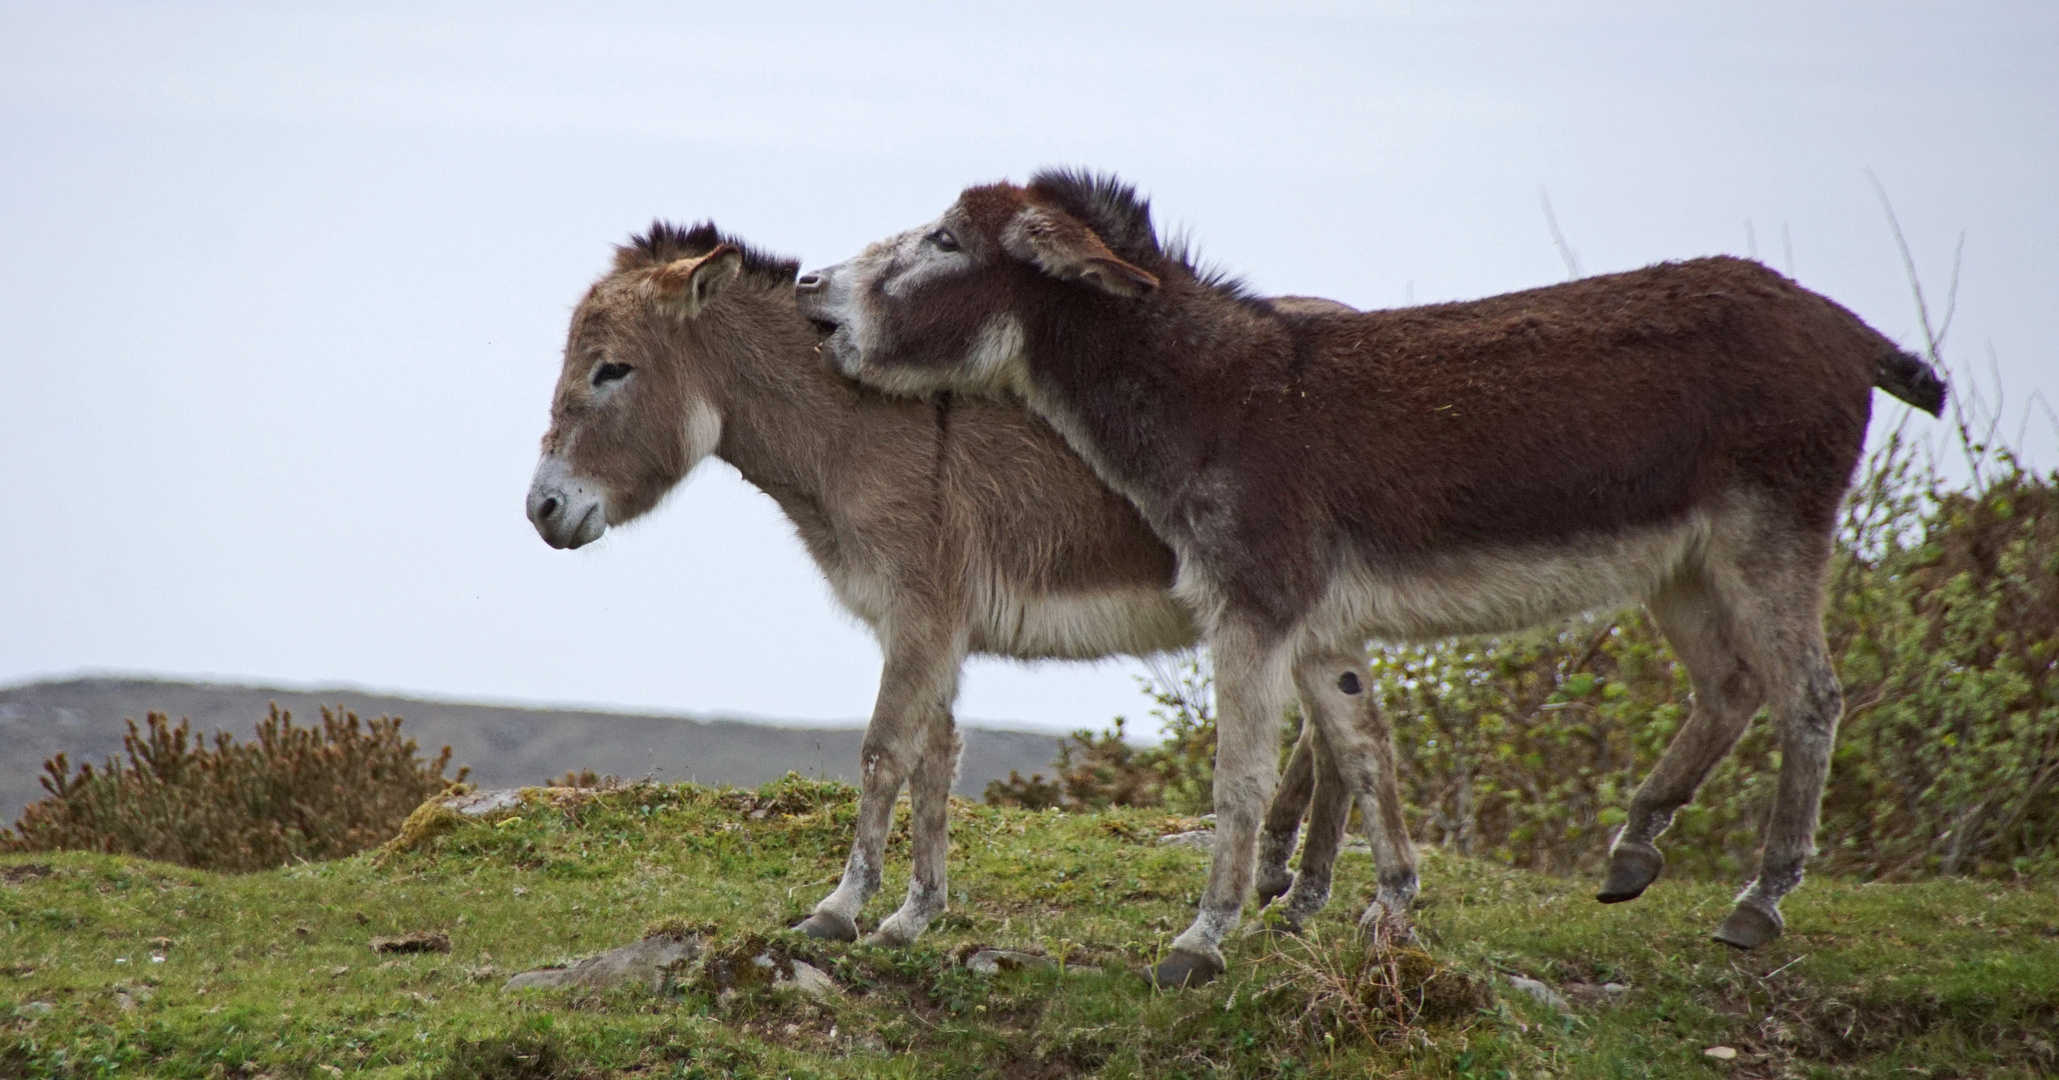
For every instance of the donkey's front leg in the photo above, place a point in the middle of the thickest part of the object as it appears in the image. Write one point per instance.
(1251, 688)
(929, 793)
(915, 691)
(1329, 813)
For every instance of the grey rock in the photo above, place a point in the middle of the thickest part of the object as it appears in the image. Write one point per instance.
(994, 961)
(482, 803)
(645, 962)
(1196, 838)
(809, 981)
(1541, 992)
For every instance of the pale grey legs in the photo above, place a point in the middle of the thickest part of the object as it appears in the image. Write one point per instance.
(1250, 691)
(1312, 784)
(929, 796)
(1751, 636)
(1276, 838)
(1336, 697)
(1708, 639)
(1345, 756)
(1355, 755)
(912, 740)
(1806, 704)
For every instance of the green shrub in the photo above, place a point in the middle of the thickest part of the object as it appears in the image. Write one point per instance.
(1097, 770)
(294, 793)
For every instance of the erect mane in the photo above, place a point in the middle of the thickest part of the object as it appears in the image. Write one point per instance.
(1122, 219)
(665, 242)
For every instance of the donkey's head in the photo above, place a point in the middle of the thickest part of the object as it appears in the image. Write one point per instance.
(949, 305)
(635, 409)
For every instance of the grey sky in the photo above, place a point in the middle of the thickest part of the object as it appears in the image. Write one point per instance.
(282, 288)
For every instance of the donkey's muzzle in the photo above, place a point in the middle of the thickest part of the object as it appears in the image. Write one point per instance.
(567, 512)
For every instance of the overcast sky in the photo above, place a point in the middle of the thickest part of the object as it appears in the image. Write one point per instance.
(283, 287)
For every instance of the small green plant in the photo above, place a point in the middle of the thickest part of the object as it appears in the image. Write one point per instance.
(1097, 770)
(293, 793)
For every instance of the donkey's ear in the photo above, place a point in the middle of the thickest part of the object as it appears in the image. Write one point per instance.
(682, 287)
(1063, 247)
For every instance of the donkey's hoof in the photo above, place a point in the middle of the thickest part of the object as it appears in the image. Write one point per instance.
(1273, 883)
(829, 926)
(897, 932)
(1631, 871)
(1750, 926)
(1181, 969)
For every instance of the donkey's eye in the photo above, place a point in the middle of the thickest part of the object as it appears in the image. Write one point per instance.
(607, 373)
(944, 240)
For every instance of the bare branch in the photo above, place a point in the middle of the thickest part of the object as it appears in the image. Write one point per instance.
(1565, 250)
(1952, 294)
(1930, 339)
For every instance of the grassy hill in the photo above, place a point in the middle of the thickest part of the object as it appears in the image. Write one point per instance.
(117, 967)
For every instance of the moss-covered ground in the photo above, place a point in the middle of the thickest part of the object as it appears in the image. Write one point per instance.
(118, 967)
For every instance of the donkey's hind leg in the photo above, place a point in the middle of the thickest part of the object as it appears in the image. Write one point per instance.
(915, 691)
(929, 796)
(1337, 689)
(1702, 627)
(1283, 818)
(1806, 703)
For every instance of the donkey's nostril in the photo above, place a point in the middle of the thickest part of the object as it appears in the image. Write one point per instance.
(548, 509)
(810, 282)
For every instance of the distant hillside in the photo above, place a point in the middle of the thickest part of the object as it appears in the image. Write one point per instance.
(504, 746)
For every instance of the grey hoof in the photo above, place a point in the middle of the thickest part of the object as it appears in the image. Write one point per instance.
(829, 926)
(1181, 969)
(1631, 871)
(1750, 925)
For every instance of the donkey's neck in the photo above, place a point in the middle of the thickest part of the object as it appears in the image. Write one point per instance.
(1127, 407)
(786, 418)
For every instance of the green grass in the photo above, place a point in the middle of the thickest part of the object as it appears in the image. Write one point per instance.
(272, 974)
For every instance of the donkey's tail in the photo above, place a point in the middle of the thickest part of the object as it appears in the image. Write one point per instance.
(1907, 377)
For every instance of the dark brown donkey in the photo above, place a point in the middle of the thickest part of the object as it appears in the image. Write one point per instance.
(1679, 435)
(954, 528)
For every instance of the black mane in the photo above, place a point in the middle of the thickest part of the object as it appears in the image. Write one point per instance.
(665, 242)
(1122, 219)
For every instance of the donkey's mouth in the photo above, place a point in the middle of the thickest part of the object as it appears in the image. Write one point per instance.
(823, 327)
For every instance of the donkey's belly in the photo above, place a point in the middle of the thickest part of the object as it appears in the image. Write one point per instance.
(1488, 592)
(1079, 625)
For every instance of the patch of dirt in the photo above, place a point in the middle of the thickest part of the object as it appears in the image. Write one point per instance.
(422, 942)
(24, 873)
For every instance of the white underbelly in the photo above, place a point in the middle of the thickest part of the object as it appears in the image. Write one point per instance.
(1079, 625)
(1502, 591)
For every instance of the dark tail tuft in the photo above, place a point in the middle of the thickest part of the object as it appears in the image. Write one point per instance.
(1907, 377)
